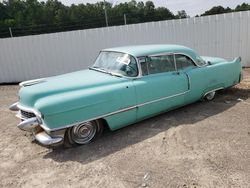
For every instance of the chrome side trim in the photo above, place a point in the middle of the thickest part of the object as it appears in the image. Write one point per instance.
(160, 99)
(91, 119)
(116, 112)
(213, 90)
(32, 82)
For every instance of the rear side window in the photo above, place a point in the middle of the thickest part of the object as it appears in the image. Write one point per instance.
(183, 61)
(157, 64)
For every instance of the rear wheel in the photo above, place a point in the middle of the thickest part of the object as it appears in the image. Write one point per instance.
(83, 133)
(209, 96)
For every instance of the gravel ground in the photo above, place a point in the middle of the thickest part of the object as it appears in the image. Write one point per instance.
(206, 144)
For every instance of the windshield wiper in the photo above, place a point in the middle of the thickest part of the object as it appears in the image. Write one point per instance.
(98, 69)
(105, 71)
(115, 74)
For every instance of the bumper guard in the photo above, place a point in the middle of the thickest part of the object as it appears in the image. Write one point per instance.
(30, 125)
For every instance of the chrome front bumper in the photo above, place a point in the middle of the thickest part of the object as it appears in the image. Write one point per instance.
(33, 125)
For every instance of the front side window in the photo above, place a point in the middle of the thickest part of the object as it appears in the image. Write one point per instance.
(157, 64)
(183, 61)
(116, 63)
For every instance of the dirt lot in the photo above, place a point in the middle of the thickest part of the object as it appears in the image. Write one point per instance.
(206, 144)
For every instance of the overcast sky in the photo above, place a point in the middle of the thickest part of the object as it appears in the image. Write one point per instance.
(192, 7)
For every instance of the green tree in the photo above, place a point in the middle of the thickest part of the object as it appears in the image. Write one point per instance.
(182, 14)
(217, 10)
(243, 7)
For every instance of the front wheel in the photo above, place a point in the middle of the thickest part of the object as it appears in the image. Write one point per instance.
(83, 133)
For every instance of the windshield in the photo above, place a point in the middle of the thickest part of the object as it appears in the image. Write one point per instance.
(116, 63)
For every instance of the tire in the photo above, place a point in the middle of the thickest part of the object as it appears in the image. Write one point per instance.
(83, 133)
(210, 96)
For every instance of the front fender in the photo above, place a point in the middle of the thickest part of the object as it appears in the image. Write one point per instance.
(68, 108)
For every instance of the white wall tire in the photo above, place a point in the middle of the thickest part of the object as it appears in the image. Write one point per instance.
(83, 133)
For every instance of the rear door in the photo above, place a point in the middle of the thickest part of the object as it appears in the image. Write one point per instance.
(161, 87)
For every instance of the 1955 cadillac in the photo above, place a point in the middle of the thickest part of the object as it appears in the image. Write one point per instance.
(125, 85)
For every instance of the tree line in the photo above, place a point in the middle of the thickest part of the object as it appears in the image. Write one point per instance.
(27, 17)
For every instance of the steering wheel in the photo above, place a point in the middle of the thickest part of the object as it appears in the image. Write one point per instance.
(130, 70)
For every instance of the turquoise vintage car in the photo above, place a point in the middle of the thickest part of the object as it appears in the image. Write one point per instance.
(125, 85)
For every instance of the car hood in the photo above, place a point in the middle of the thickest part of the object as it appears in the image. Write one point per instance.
(33, 91)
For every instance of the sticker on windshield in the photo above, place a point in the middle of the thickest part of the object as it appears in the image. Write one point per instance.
(123, 59)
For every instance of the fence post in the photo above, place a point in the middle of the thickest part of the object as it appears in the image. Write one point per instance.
(106, 15)
(10, 32)
(125, 19)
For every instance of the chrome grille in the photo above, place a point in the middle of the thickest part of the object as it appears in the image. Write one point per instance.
(26, 114)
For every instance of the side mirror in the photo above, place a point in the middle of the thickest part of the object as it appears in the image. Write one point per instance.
(209, 63)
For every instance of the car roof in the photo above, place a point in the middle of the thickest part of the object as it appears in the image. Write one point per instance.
(143, 50)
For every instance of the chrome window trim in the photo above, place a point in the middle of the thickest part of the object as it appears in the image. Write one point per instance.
(180, 53)
(152, 55)
(194, 64)
(176, 53)
(122, 76)
(161, 54)
(156, 55)
(139, 68)
(175, 64)
(171, 53)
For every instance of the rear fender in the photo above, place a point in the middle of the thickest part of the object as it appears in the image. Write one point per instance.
(237, 61)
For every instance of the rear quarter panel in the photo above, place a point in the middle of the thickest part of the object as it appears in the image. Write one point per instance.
(212, 77)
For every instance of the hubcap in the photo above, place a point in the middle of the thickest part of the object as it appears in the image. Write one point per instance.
(83, 133)
(210, 95)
